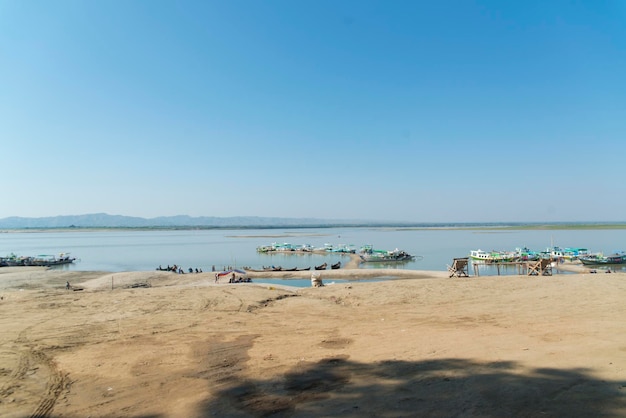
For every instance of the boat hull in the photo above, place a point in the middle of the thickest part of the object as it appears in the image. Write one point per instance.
(603, 261)
(385, 259)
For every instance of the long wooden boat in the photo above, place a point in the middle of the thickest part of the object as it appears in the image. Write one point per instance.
(43, 260)
(336, 266)
(266, 269)
(49, 260)
(321, 266)
(594, 260)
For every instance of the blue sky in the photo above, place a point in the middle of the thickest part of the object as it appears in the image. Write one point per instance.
(423, 111)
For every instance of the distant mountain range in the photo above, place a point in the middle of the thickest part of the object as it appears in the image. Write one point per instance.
(103, 220)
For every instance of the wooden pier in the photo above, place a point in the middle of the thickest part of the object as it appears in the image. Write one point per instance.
(523, 267)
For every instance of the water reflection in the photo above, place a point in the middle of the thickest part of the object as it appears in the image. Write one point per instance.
(307, 282)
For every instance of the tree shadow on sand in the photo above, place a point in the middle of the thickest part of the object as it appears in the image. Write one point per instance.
(435, 388)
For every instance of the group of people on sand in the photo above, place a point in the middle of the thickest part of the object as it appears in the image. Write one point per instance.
(233, 279)
(178, 269)
(239, 280)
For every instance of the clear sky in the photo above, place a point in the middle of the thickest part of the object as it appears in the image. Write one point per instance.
(423, 111)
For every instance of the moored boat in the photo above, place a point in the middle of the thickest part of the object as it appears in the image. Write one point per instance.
(13, 260)
(526, 254)
(369, 254)
(269, 269)
(571, 253)
(492, 256)
(342, 248)
(45, 260)
(599, 259)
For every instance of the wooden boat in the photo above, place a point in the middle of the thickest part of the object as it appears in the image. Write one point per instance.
(526, 254)
(336, 266)
(304, 269)
(368, 254)
(321, 266)
(49, 260)
(13, 260)
(617, 258)
(557, 253)
(43, 260)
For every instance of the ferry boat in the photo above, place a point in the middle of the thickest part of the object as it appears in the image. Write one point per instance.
(46, 260)
(526, 254)
(492, 256)
(369, 254)
(572, 253)
(599, 259)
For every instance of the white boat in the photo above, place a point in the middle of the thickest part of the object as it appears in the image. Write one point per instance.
(308, 248)
(275, 246)
(492, 256)
(480, 255)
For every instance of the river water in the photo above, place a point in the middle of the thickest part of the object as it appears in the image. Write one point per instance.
(140, 250)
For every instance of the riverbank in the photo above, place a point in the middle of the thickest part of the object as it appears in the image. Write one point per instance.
(185, 346)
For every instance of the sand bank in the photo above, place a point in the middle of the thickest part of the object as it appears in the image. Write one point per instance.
(186, 347)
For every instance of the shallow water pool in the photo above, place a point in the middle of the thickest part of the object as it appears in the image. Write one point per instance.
(307, 282)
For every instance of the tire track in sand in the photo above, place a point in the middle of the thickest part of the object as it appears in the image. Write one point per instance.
(34, 360)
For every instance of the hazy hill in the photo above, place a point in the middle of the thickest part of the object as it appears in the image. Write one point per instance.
(104, 220)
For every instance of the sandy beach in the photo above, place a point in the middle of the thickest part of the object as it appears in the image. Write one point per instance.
(420, 345)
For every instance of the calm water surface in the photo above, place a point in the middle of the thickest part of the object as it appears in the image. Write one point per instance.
(124, 250)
